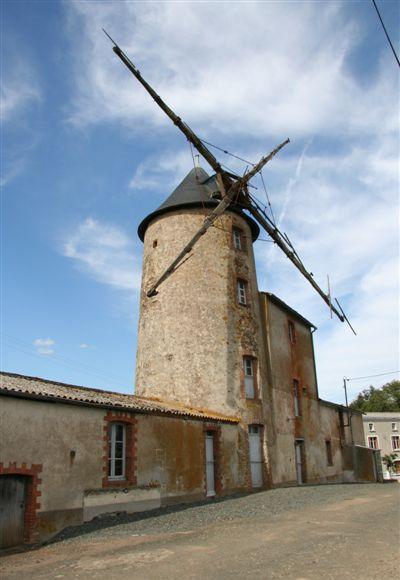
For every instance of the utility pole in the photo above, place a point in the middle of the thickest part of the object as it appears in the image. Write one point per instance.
(345, 390)
(347, 405)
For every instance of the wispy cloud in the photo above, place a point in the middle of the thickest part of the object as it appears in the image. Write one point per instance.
(44, 346)
(336, 196)
(20, 94)
(343, 219)
(267, 82)
(105, 253)
(19, 87)
(160, 172)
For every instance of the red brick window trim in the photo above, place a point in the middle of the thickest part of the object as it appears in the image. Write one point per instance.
(129, 478)
(216, 430)
(32, 503)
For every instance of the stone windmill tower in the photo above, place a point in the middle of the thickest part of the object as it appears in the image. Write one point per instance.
(199, 339)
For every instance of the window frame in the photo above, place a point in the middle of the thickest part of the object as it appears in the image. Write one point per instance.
(393, 438)
(250, 362)
(238, 239)
(329, 455)
(395, 428)
(371, 427)
(112, 451)
(242, 287)
(375, 439)
(298, 412)
(292, 332)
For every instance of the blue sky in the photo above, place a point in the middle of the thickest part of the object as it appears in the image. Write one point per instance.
(86, 155)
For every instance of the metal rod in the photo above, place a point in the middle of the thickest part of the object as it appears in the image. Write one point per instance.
(201, 148)
(284, 246)
(329, 295)
(345, 317)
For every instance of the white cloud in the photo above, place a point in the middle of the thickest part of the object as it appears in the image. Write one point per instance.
(85, 346)
(19, 87)
(272, 70)
(347, 226)
(105, 253)
(266, 71)
(44, 346)
(160, 172)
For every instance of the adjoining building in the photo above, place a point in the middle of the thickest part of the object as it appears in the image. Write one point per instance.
(226, 394)
(382, 431)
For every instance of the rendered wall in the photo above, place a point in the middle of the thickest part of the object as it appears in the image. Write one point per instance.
(169, 459)
(171, 453)
(35, 432)
(319, 421)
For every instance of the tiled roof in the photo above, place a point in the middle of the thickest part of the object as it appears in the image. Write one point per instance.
(43, 389)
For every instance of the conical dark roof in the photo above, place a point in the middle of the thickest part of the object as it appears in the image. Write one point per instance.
(198, 189)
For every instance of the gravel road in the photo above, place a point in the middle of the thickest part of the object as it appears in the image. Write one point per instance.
(188, 517)
(307, 533)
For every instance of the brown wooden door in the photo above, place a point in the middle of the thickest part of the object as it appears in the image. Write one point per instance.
(12, 509)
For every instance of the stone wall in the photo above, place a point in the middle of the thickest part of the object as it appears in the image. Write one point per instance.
(193, 334)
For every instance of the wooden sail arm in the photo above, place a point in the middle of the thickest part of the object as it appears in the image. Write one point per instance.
(226, 200)
(186, 130)
(277, 237)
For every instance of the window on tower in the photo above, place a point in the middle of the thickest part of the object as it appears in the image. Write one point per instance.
(238, 239)
(249, 370)
(242, 291)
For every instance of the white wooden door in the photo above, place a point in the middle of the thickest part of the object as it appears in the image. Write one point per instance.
(255, 456)
(299, 470)
(210, 468)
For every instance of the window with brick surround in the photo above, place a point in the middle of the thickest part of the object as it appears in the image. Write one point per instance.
(296, 398)
(238, 239)
(396, 442)
(328, 447)
(249, 370)
(373, 442)
(242, 291)
(119, 461)
(116, 451)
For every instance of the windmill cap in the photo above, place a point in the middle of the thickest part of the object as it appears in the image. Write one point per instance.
(197, 189)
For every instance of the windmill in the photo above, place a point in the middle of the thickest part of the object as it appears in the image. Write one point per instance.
(233, 188)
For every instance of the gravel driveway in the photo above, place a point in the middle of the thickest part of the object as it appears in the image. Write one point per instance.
(302, 533)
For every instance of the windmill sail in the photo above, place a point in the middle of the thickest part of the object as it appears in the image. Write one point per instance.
(231, 187)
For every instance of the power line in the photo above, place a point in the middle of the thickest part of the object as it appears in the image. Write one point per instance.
(227, 152)
(371, 376)
(386, 32)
